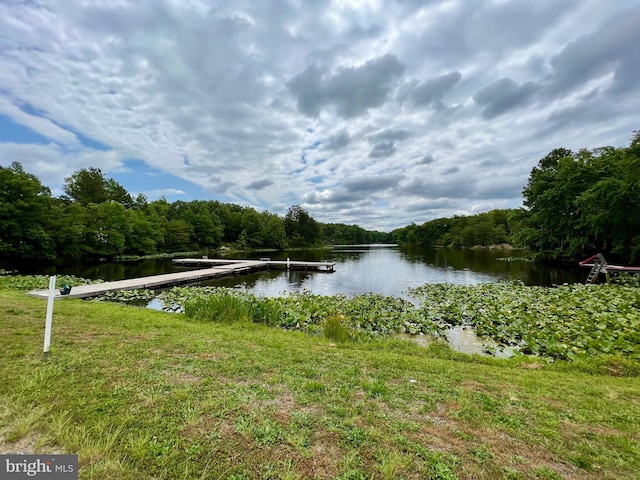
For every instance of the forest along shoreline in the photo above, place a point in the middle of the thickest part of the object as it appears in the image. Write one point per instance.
(575, 204)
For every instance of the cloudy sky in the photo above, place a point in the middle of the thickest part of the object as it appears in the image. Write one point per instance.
(378, 113)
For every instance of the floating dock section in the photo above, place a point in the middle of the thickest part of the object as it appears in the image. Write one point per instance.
(215, 268)
(263, 263)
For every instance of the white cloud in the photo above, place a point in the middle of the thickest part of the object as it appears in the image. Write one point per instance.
(379, 114)
(37, 124)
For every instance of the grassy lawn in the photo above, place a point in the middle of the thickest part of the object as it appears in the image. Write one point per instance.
(144, 394)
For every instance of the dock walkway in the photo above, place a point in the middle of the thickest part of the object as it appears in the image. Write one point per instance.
(290, 264)
(220, 268)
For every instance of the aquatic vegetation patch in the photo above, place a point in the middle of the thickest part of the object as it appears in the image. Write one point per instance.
(515, 259)
(135, 297)
(155, 256)
(364, 315)
(570, 322)
(34, 282)
(561, 323)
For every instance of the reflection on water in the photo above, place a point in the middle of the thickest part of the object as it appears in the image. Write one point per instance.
(392, 270)
(359, 269)
(379, 270)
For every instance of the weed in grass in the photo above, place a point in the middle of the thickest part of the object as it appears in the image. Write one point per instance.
(546, 473)
(512, 422)
(405, 426)
(5, 412)
(219, 308)
(351, 467)
(91, 444)
(108, 468)
(314, 387)
(511, 474)
(464, 435)
(582, 461)
(189, 413)
(137, 444)
(288, 471)
(353, 474)
(440, 466)
(377, 388)
(517, 460)
(355, 437)
(300, 440)
(487, 403)
(158, 447)
(334, 329)
(194, 449)
(244, 424)
(481, 454)
(267, 432)
(59, 424)
(300, 431)
(390, 464)
(26, 422)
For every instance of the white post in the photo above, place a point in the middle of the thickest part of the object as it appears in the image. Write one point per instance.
(288, 266)
(49, 319)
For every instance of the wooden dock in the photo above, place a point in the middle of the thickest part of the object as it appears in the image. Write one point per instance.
(217, 268)
(264, 263)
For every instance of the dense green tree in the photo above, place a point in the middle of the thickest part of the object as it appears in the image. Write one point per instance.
(117, 193)
(272, 231)
(231, 217)
(251, 234)
(24, 209)
(89, 185)
(143, 236)
(206, 230)
(482, 229)
(583, 203)
(67, 224)
(550, 196)
(341, 234)
(177, 236)
(107, 229)
(301, 228)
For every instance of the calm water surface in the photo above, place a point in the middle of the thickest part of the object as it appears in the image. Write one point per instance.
(388, 270)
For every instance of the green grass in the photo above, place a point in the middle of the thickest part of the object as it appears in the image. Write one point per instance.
(142, 394)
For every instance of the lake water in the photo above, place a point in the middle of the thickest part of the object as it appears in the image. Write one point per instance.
(383, 269)
(388, 270)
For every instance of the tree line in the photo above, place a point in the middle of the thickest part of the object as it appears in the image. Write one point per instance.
(97, 218)
(575, 204)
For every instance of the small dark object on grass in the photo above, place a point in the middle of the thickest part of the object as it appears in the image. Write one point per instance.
(66, 290)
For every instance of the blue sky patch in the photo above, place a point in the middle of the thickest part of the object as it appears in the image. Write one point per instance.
(11, 131)
(155, 183)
